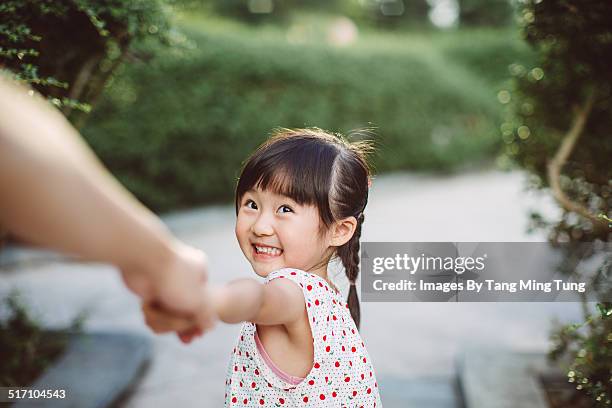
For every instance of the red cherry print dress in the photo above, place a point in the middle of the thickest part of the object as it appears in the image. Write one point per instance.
(342, 374)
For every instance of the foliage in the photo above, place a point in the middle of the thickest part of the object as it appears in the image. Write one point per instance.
(176, 129)
(485, 12)
(26, 349)
(385, 14)
(254, 11)
(546, 97)
(39, 46)
(382, 13)
(397, 13)
(588, 347)
(559, 119)
(489, 58)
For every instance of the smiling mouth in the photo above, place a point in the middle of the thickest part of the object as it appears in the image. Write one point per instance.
(266, 250)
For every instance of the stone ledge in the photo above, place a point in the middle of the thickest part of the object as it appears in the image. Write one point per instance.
(434, 392)
(95, 370)
(502, 379)
(15, 256)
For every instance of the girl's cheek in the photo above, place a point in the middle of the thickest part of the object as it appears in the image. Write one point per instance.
(241, 226)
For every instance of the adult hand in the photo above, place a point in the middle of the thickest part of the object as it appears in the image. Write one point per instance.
(176, 290)
(163, 321)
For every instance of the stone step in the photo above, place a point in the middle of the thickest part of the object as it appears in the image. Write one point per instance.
(502, 379)
(95, 370)
(435, 392)
(15, 257)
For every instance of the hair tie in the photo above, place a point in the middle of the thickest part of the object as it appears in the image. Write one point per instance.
(352, 284)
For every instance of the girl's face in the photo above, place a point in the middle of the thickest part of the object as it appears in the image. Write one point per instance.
(275, 232)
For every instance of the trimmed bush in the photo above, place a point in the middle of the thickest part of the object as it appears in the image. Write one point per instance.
(176, 128)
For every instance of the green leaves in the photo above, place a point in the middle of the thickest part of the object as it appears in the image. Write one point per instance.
(25, 347)
(605, 310)
(546, 96)
(568, 69)
(588, 348)
(176, 128)
(39, 46)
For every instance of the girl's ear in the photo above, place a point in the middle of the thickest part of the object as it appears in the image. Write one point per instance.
(342, 231)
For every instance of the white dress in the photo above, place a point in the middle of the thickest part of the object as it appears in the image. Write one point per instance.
(342, 374)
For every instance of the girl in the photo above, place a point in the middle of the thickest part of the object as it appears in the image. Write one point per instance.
(299, 202)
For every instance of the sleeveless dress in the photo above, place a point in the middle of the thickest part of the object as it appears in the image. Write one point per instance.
(342, 374)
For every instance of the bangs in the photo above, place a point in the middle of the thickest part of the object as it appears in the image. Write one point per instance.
(297, 167)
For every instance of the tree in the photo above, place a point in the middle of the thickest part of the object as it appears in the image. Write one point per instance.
(558, 128)
(67, 49)
(560, 116)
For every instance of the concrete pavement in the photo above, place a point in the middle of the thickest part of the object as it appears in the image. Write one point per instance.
(405, 340)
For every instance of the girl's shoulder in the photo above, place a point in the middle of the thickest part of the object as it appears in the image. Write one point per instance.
(308, 281)
(291, 273)
(323, 302)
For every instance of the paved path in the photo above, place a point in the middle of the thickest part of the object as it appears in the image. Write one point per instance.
(405, 340)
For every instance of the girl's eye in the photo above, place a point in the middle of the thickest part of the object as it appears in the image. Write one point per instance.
(250, 204)
(284, 209)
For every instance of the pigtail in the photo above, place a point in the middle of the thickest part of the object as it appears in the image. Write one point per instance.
(349, 255)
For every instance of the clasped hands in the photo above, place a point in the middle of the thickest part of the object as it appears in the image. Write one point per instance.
(176, 296)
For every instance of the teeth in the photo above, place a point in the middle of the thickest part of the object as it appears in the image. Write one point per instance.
(268, 250)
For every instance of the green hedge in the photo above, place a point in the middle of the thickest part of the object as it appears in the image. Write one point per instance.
(176, 128)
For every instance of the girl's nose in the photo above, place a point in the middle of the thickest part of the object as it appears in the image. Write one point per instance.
(262, 226)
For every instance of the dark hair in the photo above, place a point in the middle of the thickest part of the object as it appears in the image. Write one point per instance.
(314, 167)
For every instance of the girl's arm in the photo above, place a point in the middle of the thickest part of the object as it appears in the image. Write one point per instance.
(280, 301)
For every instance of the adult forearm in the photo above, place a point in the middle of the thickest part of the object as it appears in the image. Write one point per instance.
(56, 193)
(239, 300)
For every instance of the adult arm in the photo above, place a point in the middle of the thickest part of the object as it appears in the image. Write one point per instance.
(55, 193)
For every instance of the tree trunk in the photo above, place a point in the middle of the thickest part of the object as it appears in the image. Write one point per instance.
(560, 158)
